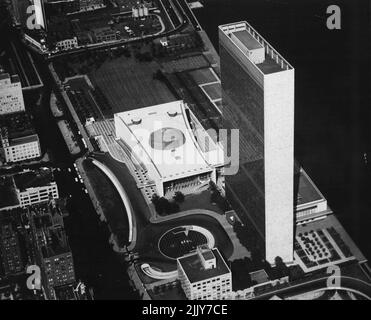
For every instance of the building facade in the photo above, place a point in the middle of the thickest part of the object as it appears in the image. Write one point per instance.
(10, 252)
(86, 5)
(67, 44)
(168, 142)
(310, 203)
(18, 138)
(105, 34)
(64, 6)
(53, 251)
(20, 149)
(258, 100)
(204, 275)
(35, 187)
(35, 195)
(59, 269)
(11, 96)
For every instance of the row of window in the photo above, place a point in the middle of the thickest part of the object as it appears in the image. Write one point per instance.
(22, 152)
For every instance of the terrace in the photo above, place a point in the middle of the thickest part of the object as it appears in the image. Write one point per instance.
(322, 244)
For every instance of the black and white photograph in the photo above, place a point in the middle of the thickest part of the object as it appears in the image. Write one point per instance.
(174, 153)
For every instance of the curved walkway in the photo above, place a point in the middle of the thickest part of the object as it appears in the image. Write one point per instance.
(124, 197)
(239, 251)
(206, 233)
(158, 275)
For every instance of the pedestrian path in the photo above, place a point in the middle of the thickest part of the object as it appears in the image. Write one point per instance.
(104, 133)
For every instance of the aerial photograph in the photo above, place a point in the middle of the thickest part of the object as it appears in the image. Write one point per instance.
(156, 150)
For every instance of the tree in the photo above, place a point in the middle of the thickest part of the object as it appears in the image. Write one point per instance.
(214, 197)
(155, 198)
(164, 206)
(281, 269)
(156, 202)
(178, 197)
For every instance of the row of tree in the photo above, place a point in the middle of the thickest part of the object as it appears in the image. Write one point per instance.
(164, 207)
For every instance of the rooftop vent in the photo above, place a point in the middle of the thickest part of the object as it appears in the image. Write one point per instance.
(207, 257)
(136, 121)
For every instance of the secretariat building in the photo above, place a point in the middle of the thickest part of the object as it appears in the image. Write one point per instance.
(258, 99)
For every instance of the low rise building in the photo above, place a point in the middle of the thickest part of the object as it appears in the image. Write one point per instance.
(310, 202)
(35, 187)
(10, 251)
(11, 96)
(18, 139)
(53, 251)
(67, 44)
(27, 188)
(204, 275)
(169, 142)
(105, 34)
(63, 6)
(86, 5)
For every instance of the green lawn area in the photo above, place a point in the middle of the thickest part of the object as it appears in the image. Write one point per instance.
(199, 201)
(214, 90)
(129, 84)
(110, 201)
(202, 76)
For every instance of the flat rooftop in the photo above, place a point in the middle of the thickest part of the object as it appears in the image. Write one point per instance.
(195, 271)
(8, 193)
(49, 222)
(165, 140)
(23, 140)
(249, 37)
(7, 76)
(17, 125)
(33, 179)
(208, 255)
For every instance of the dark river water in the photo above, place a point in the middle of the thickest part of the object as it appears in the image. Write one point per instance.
(332, 116)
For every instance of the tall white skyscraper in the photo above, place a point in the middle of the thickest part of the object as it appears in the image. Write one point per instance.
(258, 99)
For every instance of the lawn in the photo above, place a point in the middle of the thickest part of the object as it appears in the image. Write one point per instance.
(214, 90)
(200, 201)
(202, 76)
(129, 84)
(110, 201)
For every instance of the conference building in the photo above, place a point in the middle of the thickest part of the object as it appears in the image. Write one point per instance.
(258, 99)
(168, 143)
